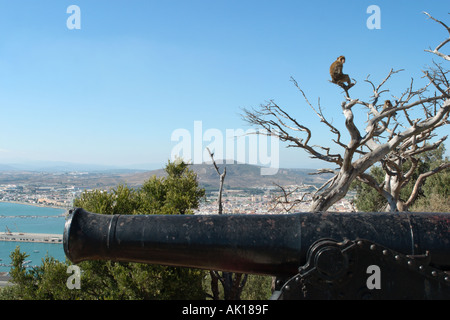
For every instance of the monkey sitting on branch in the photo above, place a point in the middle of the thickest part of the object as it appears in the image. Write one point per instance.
(337, 76)
(388, 106)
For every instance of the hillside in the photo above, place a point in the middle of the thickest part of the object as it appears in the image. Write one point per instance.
(238, 176)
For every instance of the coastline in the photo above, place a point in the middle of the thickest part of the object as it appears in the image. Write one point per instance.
(31, 237)
(37, 205)
(37, 235)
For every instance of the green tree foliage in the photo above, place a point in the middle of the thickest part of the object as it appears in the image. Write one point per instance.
(437, 194)
(45, 282)
(176, 193)
(367, 198)
(257, 288)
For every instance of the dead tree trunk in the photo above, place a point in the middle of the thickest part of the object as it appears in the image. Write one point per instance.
(232, 283)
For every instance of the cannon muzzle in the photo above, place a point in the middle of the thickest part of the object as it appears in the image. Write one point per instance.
(259, 244)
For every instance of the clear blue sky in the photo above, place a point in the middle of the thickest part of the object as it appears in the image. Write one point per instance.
(114, 91)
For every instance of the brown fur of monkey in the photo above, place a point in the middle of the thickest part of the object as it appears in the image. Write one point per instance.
(387, 105)
(336, 72)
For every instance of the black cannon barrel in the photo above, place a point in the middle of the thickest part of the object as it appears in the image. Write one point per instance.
(259, 244)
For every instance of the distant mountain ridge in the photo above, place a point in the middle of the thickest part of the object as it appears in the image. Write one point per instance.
(238, 176)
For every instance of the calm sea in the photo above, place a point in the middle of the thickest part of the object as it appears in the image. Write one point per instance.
(30, 219)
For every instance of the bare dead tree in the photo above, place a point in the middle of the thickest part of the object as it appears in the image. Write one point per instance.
(384, 136)
(410, 149)
(232, 283)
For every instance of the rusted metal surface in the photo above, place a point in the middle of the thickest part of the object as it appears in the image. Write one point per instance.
(259, 244)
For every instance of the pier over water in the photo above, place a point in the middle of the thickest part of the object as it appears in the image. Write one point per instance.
(31, 237)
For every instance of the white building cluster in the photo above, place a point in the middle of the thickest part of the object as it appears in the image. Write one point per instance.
(240, 202)
(54, 196)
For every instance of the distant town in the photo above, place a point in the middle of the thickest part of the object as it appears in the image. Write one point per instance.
(51, 196)
(257, 200)
(264, 201)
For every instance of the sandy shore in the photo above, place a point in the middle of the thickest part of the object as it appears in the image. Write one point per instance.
(37, 205)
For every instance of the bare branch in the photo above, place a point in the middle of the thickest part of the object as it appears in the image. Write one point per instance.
(222, 178)
(321, 171)
(377, 154)
(376, 90)
(320, 114)
(330, 181)
(284, 200)
(279, 126)
(421, 180)
(436, 85)
(425, 148)
(408, 175)
(436, 50)
(369, 180)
